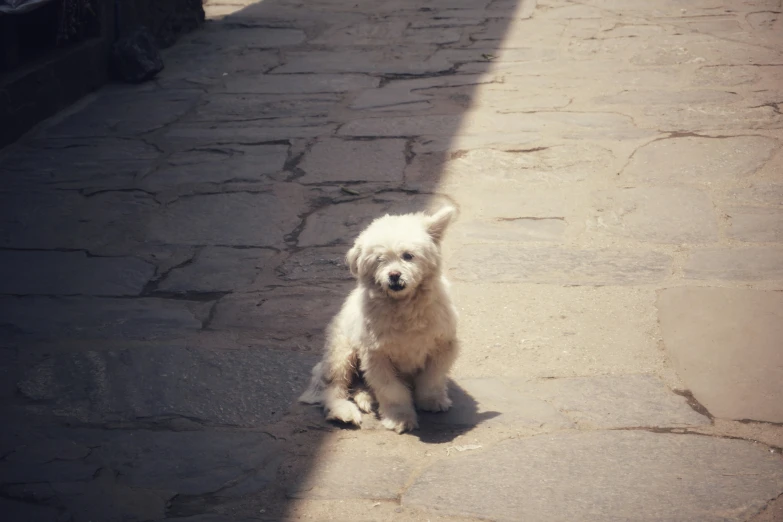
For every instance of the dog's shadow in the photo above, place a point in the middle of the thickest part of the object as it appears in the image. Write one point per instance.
(464, 415)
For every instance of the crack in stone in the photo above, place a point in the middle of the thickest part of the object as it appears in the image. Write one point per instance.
(152, 284)
(684, 430)
(767, 506)
(775, 106)
(531, 218)
(694, 403)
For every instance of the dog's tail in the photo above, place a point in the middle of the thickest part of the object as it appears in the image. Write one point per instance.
(314, 394)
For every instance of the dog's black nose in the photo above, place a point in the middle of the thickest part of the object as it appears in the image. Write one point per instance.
(394, 277)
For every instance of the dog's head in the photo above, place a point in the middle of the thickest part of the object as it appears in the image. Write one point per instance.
(399, 253)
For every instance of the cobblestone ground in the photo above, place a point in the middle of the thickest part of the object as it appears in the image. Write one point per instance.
(171, 253)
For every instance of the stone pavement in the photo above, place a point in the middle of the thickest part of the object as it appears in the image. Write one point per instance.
(171, 253)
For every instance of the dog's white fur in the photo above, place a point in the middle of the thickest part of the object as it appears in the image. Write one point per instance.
(401, 341)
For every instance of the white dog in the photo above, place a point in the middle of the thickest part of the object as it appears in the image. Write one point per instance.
(396, 332)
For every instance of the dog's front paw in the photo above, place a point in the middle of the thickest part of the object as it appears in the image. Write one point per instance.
(344, 411)
(434, 403)
(363, 400)
(399, 419)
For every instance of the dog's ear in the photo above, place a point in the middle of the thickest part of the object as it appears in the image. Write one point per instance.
(352, 259)
(439, 221)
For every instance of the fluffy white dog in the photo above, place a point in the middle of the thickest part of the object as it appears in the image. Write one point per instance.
(394, 340)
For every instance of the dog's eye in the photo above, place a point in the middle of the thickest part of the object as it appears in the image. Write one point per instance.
(407, 256)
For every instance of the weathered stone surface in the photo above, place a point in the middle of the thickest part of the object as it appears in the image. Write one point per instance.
(338, 474)
(616, 401)
(570, 12)
(300, 84)
(42, 451)
(502, 201)
(572, 124)
(755, 224)
(682, 49)
(556, 164)
(217, 165)
(374, 160)
(515, 229)
(508, 101)
(230, 219)
(96, 163)
(732, 118)
(770, 194)
(203, 133)
(486, 54)
(738, 264)
(725, 75)
(27, 512)
(72, 273)
(240, 38)
(608, 475)
(657, 214)
(394, 60)
(564, 331)
(382, 32)
(340, 224)
(689, 98)
(217, 269)
(461, 142)
(385, 32)
(247, 387)
(165, 460)
(192, 64)
(766, 21)
(316, 265)
(99, 318)
(55, 471)
(105, 499)
(67, 220)
(296, 316)
(126, 112)
(494, 401)
(700, 160)
(500, 34)
(403, 92)
(271, 108)
(518, 263)
(725, 344)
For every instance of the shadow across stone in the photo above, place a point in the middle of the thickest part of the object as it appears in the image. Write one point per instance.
(464, 415)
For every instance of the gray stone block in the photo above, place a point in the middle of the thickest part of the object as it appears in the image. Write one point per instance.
(247, 387)
(604, 476)
(518, 263)
(725, 343)
(72, 273)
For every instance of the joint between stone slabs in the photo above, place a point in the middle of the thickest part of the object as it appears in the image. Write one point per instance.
(87, 193)
(685, 430)
(764, 423)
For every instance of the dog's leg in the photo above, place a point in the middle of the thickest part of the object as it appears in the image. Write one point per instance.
(363, 398)
(395, 403)
(339, 370)
(431, 385)
(314, 394)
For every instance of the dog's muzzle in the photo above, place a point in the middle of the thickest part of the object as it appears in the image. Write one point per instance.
(395, 283)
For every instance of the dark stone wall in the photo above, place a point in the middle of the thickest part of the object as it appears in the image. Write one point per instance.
(166, 19)
(42, 78)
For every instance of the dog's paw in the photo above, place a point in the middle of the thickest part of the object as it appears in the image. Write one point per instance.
(434, 403)
(344, 411)
(400, 426)
(400, 420)
(363, 400)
